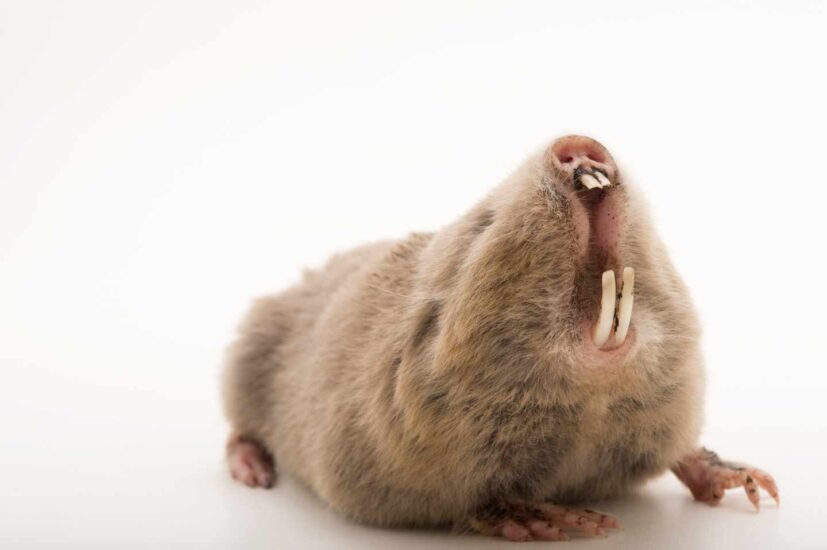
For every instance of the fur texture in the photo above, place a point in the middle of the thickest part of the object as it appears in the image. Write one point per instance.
(415, 382)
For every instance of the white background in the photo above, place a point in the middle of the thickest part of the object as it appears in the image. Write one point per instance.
(163, 162)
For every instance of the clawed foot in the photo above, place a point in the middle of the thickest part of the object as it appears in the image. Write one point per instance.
(521, 521)
(250, 463)
(708, 477)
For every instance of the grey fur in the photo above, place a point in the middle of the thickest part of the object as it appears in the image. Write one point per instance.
(413, 383)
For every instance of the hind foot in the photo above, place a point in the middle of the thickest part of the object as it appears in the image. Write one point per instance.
(708, 477)
(249, 462)
(521, 521)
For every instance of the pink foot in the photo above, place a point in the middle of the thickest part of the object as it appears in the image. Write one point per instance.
(708, 477)
(250, 463)
(521, 521)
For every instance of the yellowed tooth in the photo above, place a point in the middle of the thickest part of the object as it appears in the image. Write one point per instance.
(589, 181)
(624, 309)
(603, 179)
(607, 309)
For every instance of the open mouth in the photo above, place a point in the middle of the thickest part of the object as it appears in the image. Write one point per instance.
(615, 314)
(587, 170)
(592, 185)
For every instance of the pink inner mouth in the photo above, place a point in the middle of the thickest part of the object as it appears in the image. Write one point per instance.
(604, 211)
(598, 216)
(586, 172)
(606, 222)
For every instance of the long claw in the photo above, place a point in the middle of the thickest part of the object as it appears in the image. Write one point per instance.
(767, 483)
(751, 490)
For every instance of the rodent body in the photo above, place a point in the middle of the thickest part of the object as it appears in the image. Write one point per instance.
(415, 382)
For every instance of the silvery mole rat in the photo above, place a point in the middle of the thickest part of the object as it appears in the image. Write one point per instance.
(538, 352)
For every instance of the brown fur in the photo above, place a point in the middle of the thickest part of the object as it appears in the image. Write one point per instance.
(411, 383)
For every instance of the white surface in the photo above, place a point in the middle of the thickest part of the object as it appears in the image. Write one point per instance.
(160, 163)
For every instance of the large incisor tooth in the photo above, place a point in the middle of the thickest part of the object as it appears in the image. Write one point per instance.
(607, 309)
(624, 310)
(602, 179)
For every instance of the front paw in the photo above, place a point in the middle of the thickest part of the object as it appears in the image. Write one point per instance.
(708, 477)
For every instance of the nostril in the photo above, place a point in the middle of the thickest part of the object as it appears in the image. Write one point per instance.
(568, 153)
(569, 148)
